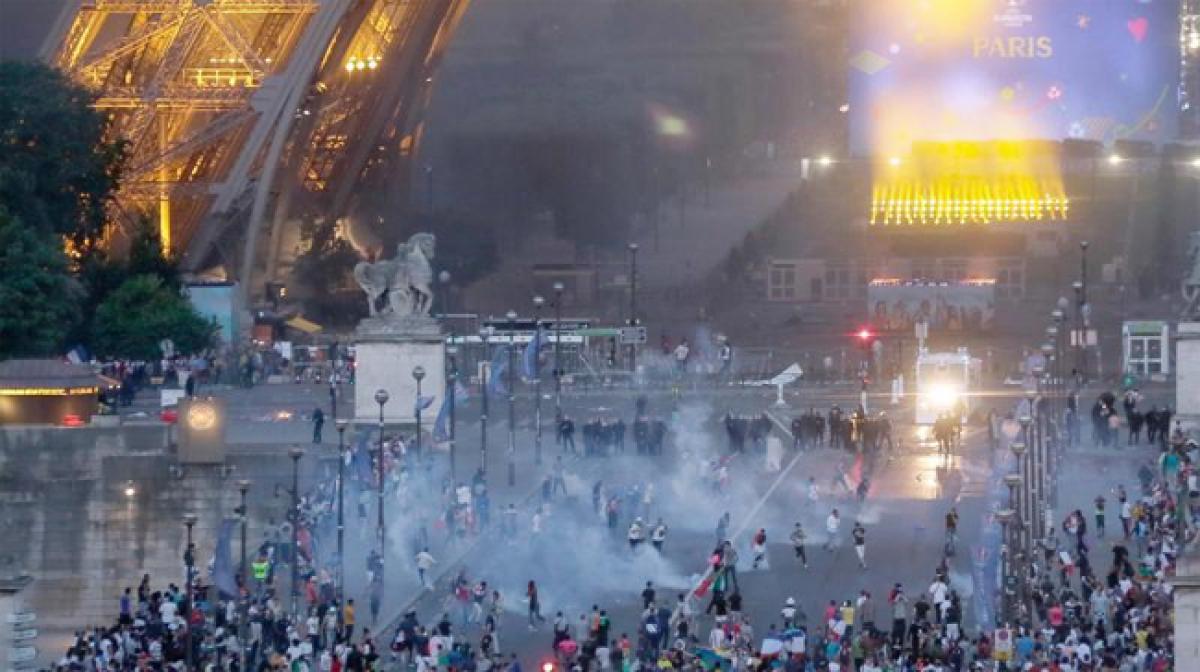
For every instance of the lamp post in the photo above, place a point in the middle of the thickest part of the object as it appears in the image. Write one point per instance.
(633, 250)
(1037, 458)
(558, 294)
(538, 302)
(189, 563)
(1005, 516)
(296, 452)
(512, 399)
(1023, 450)
(243, 486)
(1060, 322)
(381, 398)
(1083, 274)
(1051, 346)
(418, 374)
(1080, 334)
(484, 333)
(451, 386)
(341, 516)
(1016, 527)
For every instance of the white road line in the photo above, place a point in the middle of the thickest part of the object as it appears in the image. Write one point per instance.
(757, 506)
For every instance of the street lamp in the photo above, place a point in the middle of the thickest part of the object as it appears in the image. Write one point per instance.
(296, 452)
(633, 321)
(381, 398)
(1080, 339)
(538, 302)
(1005, 516)
(512, 399)
(243, 486)
(189, 562)
(341, 516)
(1035, 471)
(451, 386)
(444, 284)
(418, 374)
(484, 333)
(558, 295)
(1083, 275)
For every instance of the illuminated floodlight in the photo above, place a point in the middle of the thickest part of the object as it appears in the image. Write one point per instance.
(825, 160)
(942, 397)
(1115, 159)
(1196, 162)
(894, 161)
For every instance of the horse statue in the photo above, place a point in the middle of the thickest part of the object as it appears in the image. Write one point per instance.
(407, 279)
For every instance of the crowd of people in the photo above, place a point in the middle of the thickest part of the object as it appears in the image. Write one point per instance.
(1065, 613)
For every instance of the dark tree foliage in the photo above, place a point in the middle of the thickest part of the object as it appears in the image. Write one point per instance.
(57, 173)
(133, 320)
(39, 300)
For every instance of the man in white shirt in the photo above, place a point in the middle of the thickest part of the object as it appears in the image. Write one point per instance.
(425, 561)
(832, 524)
(937, 595)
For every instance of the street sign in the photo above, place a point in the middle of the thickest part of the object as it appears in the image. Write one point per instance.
(1085, 336)
(632, 335)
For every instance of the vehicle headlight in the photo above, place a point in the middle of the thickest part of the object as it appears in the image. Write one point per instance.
(942, 397)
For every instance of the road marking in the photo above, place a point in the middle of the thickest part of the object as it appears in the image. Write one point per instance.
(753, 511)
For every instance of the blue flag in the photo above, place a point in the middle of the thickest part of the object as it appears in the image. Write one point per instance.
(530, 360)
(423, 403)
(441, 431)
(223, 574)
(498, 367)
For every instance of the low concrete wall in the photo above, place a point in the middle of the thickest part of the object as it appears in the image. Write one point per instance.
(87, 511)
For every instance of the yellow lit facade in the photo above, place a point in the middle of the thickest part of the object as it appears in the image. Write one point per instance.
(967, 183)
(48, 391)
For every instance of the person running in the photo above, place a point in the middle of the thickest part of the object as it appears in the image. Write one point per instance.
(798, 538)
(658, 535)
(788, 613)
(832, 524)
(951, 530)
(425, 562)
(759, 547)
(535, 606)
(636, 534)
(859, 533)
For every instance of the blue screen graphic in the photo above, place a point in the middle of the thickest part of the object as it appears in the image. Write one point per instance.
(949, 70)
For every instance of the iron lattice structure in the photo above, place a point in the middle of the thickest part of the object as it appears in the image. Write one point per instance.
(241, 113)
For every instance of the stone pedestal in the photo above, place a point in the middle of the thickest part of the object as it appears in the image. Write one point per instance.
(386, 351)
(1187, 373)
(1187, 611)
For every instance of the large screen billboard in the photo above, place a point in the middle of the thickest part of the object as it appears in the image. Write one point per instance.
(953, 70)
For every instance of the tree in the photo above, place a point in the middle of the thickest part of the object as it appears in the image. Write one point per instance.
(140, 313)
(57, 173)
(39, 300)
(101, 274)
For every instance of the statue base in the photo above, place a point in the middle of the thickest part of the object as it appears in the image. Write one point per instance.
(387, 349)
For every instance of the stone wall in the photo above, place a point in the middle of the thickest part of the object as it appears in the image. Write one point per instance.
(86, 511)
(1187, 612)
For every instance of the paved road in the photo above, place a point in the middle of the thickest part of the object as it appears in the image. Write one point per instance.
(578, 562)
(695, 427)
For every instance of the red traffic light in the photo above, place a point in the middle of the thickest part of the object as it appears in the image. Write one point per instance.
(865, 334)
